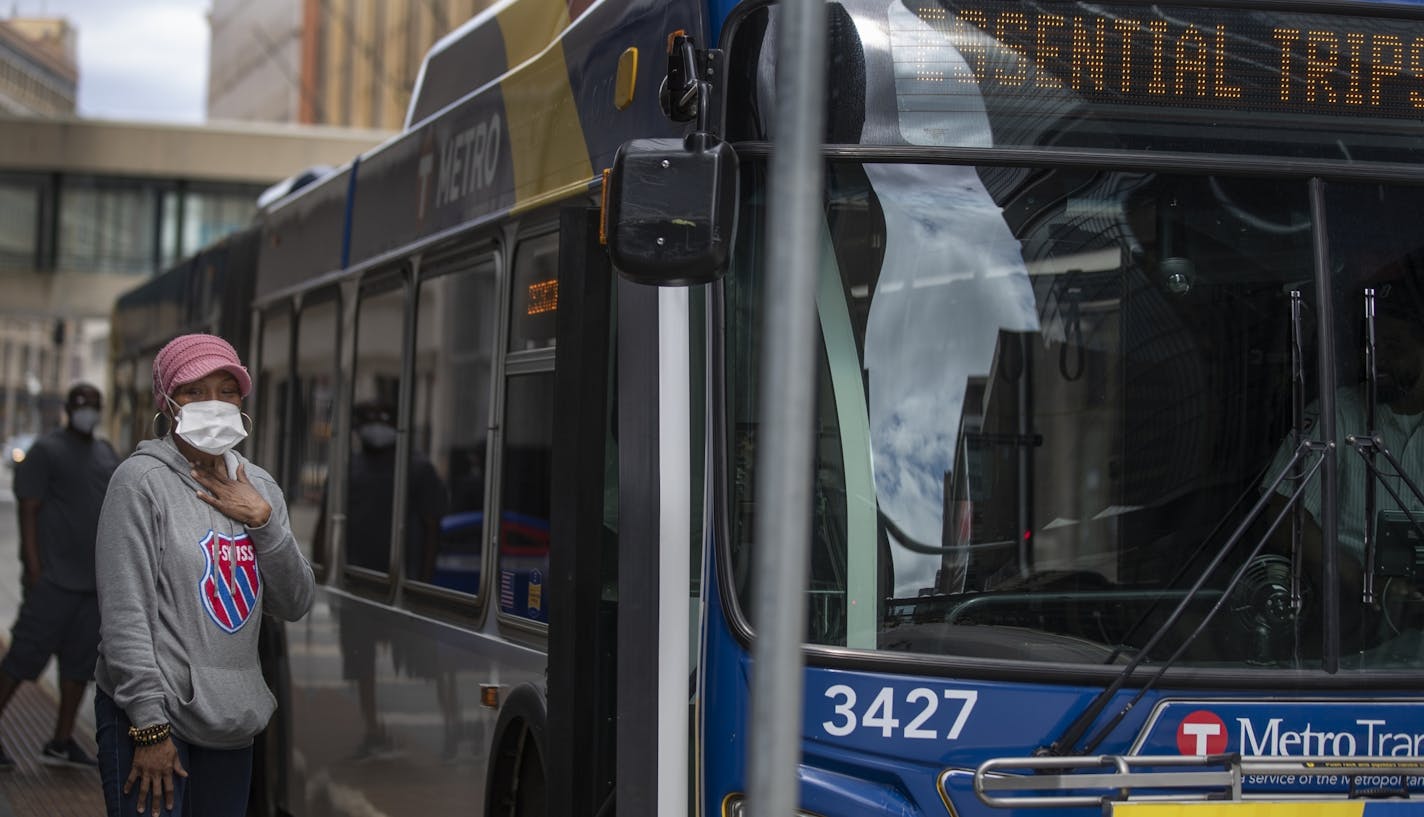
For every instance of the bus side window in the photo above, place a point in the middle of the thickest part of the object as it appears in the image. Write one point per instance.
(525, 476)
(270, 433)
(312, 394)
(376, 385)
(454, 355)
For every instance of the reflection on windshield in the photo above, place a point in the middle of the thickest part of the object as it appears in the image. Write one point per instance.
(1075, 385)
(953, 279)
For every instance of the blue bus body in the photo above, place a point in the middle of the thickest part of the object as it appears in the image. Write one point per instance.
(1099, 289)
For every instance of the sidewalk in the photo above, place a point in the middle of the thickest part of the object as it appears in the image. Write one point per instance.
(33, 789)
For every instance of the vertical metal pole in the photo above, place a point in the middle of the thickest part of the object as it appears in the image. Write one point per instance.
(784, 439)
(1371, 483)
(1329, 474)
(1297, 531)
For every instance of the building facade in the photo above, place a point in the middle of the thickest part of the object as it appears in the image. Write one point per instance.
(89, 209)
(38, 67)
(349, 63)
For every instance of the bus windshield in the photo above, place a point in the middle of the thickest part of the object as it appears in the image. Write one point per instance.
(1048, 397)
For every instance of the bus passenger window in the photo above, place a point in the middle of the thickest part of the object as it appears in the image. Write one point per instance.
(454, 351)
(268, 406)
(370, 480)
(534, 294)
(525, 496)
(313, 399)
(524, 487)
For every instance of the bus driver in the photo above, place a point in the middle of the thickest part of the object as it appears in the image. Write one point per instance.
(1398, 418)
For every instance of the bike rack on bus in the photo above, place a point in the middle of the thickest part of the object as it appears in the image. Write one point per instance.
(1046, 782)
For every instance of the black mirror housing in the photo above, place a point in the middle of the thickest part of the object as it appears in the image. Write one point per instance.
(670, 209)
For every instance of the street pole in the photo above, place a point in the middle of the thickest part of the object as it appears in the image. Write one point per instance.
(787, 391)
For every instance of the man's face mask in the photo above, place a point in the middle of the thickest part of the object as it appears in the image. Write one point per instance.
(377, 435)
(83, 419)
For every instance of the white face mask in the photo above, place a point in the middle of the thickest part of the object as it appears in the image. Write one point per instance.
(211, 426)
(377, 435)
(84, 419)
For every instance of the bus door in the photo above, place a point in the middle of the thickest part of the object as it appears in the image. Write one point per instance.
(583, 558)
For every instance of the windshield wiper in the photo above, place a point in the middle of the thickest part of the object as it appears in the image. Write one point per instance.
(1067, 742)
(1186, 566)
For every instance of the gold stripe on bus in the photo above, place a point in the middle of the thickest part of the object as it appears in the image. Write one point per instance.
(1240, 809)
(531, 26)
(550, 196)
(546, 138)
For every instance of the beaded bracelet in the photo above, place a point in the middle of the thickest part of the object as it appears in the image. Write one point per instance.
(149, 735)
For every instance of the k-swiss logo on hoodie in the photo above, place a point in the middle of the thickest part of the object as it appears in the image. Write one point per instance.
(230, 583)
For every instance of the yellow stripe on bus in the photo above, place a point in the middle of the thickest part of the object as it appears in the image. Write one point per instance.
(1240, 809)
(546, 138)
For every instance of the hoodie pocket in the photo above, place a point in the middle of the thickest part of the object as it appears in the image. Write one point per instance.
(222, 706)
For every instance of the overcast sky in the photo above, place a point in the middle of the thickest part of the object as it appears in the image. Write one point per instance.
(143, 60)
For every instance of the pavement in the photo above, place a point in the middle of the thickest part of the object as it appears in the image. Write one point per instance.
(32, 789)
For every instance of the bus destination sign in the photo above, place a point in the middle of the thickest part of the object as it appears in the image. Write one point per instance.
(1186, 57)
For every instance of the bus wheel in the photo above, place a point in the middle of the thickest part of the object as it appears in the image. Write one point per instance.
(516, 772)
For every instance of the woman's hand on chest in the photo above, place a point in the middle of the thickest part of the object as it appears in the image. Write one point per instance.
(234, 498)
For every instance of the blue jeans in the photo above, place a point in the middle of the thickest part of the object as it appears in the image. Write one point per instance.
(216, 786)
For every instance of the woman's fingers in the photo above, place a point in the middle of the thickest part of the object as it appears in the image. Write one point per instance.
(153, 768)
(143, 792)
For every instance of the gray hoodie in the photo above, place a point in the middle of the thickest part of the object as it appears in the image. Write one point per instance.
(182, 590)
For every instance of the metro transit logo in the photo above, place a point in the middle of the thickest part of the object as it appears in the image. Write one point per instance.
(1202, 733)
(1286, 733)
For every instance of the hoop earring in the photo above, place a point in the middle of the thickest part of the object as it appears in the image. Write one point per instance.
(250, 424)
(153, 425)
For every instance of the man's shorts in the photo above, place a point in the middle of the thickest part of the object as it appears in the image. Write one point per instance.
(54, 621)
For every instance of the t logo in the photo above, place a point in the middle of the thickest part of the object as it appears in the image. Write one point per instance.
(1201, 733)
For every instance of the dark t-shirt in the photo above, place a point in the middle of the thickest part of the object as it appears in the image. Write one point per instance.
(68, 475)
(370, 489)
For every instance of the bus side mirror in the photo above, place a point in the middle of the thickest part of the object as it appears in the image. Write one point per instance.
(670, 209)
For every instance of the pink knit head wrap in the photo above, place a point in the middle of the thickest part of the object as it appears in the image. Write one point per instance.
(193, 357)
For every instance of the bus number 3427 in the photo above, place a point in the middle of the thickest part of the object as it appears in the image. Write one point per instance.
(880, 713)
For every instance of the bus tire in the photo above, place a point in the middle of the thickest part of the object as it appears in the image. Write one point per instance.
(515, 784)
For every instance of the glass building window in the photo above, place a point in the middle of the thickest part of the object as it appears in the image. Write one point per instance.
(193, 219)
(107, 228)
(19, 223)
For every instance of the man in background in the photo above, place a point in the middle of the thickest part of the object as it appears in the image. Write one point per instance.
(60, 488)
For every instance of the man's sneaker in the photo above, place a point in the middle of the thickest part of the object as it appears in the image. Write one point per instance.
(67, 753)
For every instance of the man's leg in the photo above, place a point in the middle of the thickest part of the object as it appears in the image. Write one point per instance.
(30, 648)
(78, 649)
(8, 685)
(71, 693)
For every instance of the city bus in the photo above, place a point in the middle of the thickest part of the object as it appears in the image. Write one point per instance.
(1114, 499)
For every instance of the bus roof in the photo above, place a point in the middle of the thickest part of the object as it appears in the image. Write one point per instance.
(517, 108)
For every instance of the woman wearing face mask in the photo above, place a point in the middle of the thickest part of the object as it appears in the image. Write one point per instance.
(194, 545)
